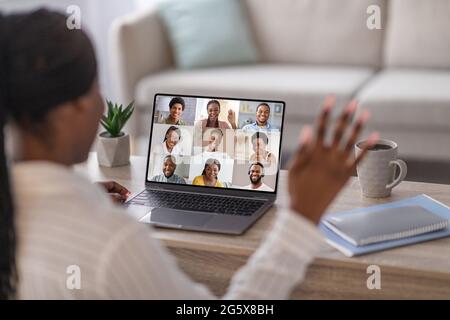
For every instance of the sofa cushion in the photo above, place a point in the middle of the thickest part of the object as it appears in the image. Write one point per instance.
(202, 39)
(316, 31)
(303, 88)
(418, 34)
(418, 99)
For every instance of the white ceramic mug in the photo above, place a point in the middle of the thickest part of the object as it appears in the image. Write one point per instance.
(377, 171)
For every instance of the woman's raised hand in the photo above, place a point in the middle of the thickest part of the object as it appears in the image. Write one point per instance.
(232, 118)
(318, 171)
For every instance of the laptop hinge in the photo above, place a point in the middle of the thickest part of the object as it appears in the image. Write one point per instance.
(247, 196)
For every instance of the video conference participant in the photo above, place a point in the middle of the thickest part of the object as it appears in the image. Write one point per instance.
(168, 175)
(213, 109)
(256, 174)
(176, 108)
(214, 140)
(171, 143)
(209, 175)
(259, 144)
(213, 145)
(262, 119)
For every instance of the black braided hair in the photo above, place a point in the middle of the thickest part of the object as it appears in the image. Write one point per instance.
(42, 65)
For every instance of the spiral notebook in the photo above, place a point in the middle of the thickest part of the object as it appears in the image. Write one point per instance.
(363, 228)
(386, 226)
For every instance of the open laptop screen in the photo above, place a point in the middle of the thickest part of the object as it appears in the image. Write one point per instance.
(216, 142)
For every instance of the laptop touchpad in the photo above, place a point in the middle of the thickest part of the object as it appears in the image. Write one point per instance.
(179, 218)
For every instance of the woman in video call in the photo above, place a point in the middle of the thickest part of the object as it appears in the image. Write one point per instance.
(213, 109)
(214, 140)
(214, 147)
(260, 153)
(171, 143)
(51, 217)
(176, 108)
(215, 143)
(209, 175)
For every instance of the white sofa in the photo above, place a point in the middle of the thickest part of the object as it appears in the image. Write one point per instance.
(310, 48)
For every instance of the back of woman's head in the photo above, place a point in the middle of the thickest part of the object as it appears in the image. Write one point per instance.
(43, 64)
(46, 63)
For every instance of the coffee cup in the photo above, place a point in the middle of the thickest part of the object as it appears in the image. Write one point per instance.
(377, 172)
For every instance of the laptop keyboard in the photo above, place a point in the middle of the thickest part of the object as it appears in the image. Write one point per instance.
(197, 202)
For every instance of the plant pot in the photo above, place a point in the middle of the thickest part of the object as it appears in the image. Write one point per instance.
(113, 151)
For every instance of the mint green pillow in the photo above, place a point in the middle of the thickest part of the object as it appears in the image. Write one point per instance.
(206, 33)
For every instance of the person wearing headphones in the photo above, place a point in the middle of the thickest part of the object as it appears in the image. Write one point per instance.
(256, 173)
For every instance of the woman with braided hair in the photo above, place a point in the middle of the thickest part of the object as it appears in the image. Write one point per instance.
(52, 219)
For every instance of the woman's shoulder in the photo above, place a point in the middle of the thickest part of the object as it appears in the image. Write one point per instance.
(163, 121)
(198, 180)
(178, 149)
(219, 184)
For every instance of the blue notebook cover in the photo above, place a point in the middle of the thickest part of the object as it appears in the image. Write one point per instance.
(422, 200)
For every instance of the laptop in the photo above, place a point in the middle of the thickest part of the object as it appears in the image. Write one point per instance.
(213, 163)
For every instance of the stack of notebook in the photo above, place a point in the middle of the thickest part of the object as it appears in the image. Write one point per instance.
(385, 226)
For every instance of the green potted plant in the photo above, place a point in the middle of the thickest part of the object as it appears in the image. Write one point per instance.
(113, 147)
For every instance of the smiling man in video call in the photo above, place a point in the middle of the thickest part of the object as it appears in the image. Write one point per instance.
(262, 119)
(256, 173)
(176, 108)
(168, 175)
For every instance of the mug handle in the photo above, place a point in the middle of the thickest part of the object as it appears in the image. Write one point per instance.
(403, 170)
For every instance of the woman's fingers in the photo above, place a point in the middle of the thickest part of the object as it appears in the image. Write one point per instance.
(118, 198)
(114, 187)
(370, 142)
(323, 119)
(343, 123)
(362, 119)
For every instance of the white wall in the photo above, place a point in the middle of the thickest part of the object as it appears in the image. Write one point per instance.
(96, 18)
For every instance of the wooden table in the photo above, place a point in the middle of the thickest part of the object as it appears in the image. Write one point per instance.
(420, 271)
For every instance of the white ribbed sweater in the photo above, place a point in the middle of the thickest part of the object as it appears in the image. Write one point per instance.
(64, 220)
